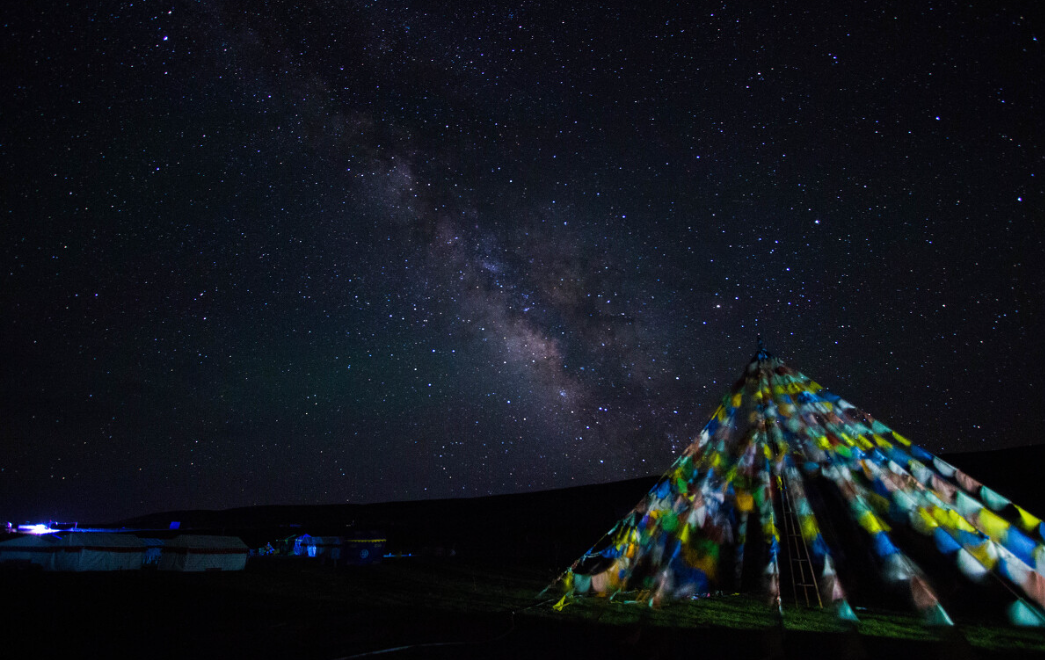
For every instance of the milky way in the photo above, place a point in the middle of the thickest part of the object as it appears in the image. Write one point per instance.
(362, 251)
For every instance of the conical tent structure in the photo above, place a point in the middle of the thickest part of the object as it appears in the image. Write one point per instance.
(781, 475)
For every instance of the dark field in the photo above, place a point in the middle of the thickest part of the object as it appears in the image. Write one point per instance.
(283, 607)
(482, 602)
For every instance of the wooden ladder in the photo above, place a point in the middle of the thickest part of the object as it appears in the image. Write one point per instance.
(802, 575)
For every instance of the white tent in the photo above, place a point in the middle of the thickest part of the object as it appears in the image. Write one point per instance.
(301, 544)
(153, 550)
(98, 551)
(325, 547)
(204, 553)
(29, 549)
(76, 551)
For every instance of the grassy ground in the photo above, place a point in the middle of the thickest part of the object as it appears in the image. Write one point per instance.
(448, 608)
(742, 613)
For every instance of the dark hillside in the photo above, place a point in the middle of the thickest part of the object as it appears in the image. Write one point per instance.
(552, 525)
(555, 525)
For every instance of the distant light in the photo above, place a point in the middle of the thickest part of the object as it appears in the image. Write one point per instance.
(41, 528)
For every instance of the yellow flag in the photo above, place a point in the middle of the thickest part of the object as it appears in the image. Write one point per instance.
(744, 501)
(993, 525)
(558, 607)
(923, 522)
(984, 553)
(882, 442)
(809, 530)
(1028, 522)
(871, 523)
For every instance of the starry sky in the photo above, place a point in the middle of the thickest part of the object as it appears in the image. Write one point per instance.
(279, 253)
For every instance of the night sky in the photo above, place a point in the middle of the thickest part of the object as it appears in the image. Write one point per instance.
(277, 253)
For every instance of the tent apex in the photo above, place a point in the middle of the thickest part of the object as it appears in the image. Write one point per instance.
(762, 354)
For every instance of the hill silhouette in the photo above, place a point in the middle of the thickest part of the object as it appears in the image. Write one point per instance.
(553, 525)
